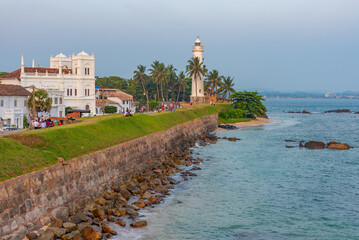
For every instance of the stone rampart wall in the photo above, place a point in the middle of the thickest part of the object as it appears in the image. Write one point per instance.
(26, 200)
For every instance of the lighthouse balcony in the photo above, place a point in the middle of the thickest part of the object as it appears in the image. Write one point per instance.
(197, 49)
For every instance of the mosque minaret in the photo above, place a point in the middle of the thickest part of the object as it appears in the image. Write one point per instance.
(197, 82)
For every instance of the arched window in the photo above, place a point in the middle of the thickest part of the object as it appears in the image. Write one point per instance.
(87, 107)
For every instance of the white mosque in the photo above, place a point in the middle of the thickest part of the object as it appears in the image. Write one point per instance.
(70, 81)
(197, 82)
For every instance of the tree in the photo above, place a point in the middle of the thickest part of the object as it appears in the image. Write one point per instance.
(42, 101)
(110, 109)
(157, 72)
(140, 75)
(227, 86)
(249, 101)
(171, 79)
(195, 69)
(214, 80)
(181, 83)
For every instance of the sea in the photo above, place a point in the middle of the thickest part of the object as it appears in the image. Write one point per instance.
(259, 189)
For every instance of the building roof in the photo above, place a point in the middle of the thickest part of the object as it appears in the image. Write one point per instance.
(104, 102)
(60, 55)
(17, 73)
(13, 90)
(82, 54)
(121, 95)
(197, 40)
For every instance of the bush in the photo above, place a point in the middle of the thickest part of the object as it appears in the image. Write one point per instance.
(110, 109)
(223, 114)
(153, 104)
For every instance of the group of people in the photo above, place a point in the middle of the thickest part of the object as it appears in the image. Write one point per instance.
(43, 123)
(127, 113)
(171, 107)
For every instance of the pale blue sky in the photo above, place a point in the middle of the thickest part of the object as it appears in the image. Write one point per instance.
(310, 45)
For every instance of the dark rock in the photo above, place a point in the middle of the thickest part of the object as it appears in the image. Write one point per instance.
(137, 224)
(306, 112)
(356, 112)
(31, 236)
(107, 229)
(289, 146)
(288, 140)
(227, 126)
(70, 226)
(339, 111)
(301, 144)
(314, 145)
(80, 217)
(99, 213)
(121, 223)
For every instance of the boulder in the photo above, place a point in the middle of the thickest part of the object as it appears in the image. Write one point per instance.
(356, 112)
(306, 112)
(161, 189)
(99, 213)
(107, 229)
(227, 126)
(126, 194)
(47, 235)
(69, 226)
(140, 204)
(58, 231)
(232, 139)
(137, 224)
(75, 235)
(121, 223)
(32, 236)
(132, 212)
(338, 111)
(82, 225)
(80, 217)
(338, 145)
(314, 145)
(91, 233)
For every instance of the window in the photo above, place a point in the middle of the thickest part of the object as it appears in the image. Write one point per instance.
(123, 102)
(87, 92)
(25, 103)
(75, 92)
(60, 100)
(2, 103)
(200, 90)
(68, 92)
(56, 100)
(15, 103)
(71, 92)
(87, 71)
(76, 71)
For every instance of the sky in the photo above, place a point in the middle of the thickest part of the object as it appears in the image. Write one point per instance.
(284, 45)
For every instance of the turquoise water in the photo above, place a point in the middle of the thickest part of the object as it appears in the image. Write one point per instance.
(259, 189)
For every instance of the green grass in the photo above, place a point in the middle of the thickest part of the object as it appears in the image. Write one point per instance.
(32, 150)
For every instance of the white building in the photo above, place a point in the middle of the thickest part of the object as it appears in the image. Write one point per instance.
(120, 99)
(70, 81)
(13, 104)
(197, 81)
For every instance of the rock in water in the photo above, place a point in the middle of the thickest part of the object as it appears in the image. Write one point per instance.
(141, 223)
(314, 145)
(339, 111)
(338, 145)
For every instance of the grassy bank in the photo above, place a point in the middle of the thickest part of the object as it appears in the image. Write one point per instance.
(32, 150)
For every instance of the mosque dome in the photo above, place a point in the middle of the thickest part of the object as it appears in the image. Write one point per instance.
(60, 55)
(82, 54)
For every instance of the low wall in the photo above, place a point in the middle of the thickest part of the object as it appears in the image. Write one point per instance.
(25, 200)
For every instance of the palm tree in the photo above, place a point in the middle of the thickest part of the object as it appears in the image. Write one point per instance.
(171, 79)
(213, 80)
(227, 86)
(181, 84)
(158, 74)
(140, 75)
(42, 101)
(195, 69)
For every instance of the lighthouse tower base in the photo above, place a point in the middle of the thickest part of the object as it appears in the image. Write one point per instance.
(198, 99)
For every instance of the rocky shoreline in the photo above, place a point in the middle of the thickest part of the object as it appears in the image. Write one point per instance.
(121, 203)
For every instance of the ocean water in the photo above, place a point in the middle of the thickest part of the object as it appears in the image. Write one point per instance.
(257, 188)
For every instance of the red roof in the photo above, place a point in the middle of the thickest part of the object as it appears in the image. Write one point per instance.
(17, 73)
(104, 102)
(13, 90)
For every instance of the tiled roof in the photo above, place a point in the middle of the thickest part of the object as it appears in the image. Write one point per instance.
(17, 73)
(122, 95)
(13, 90)
(104, 102)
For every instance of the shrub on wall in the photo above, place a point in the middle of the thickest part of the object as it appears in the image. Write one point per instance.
(153, 104)
(110, 109)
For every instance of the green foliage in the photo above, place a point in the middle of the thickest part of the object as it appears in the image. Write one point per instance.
(67, 109)
(110, 109)
(25, 121)
(36, 149)
(3, 73)
(153, 104)
(249, 101)
(42, 101)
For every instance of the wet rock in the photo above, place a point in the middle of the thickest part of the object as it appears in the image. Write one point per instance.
(314, 145)
(289, 140)
(140, 204)
(92, 233)
(233, 139)
(338, 111)
(121, 211)
(132, 212)
(69, 226)
(107, 229)
(356, 112)
(301, 144)
(290, 146)
(306, 112)
(179, 202)
(126, 194)
(111, 218)
(338, 145)
(227, 126)
(138, 224)
(156, 182)
(121, 223)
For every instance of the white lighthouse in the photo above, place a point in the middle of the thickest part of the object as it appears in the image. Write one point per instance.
(197, 95)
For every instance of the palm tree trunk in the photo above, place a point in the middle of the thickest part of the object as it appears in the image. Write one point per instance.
(216, 92)
(179, 91)
(158, 93)
(162, 92)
